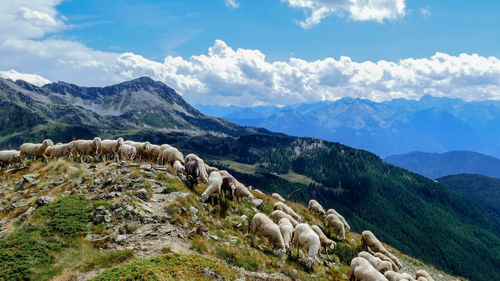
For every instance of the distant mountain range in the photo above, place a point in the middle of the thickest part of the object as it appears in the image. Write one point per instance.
(482, 189)
(436, 165)
(398, 126)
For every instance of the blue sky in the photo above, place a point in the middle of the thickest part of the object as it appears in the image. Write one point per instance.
(260, 52)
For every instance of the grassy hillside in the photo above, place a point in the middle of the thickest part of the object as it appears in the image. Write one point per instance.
(482, 189)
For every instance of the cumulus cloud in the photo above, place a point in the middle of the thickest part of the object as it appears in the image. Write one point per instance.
(357, 10)
(232, 3)
(30, 78)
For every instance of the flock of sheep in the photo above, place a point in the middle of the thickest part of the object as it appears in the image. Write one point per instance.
(282, 228)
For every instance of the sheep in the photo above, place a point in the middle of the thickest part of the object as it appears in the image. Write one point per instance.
(316, 208)
(306, 237)
(127, 152)
(86, 147)
(386, 258)
(423, 274)
(282, 206)
(111, 147)
(152, 153)
(258, 192)
(170, 154)
(179, 168)
(363, 270)
(278, 197)
(325, 241)
(241, 191)
(140, 147)
(195, 169)
(9, 157)
(210, 169)
(34, 149)
(214, 187)
(334, 221)
(346, 225)
(376, 262)
(266, 227)
(48, 151)
(62, 150)
(286, 229)
(369, 240)
(396, 276)
(228, 184)
(278, 214)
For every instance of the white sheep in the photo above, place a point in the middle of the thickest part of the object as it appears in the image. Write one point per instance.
(396, 276)
(179, 168)
(210, 169)
(170, 154)
(283, 207)
(241, 191)
(266, 227)
(195, 168)
(386, 258)
(316, 208)
(334, 221)
(9, 157)
(376, 262)
(86, 147)
(140, 147)
(48, 151)
(111, 147)
(228, 184)
(369, 241)
(34, 149)
(214, 187)
(307, 238)
(278, 197)
(152, 153)
(363, 270)
(258, 192)
(325, 241)
(346, 225)
(61, 150)
(423, 274)
(127, 152)
(287, 230)
(278, 214)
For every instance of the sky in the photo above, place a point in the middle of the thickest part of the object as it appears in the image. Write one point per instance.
(260, 52)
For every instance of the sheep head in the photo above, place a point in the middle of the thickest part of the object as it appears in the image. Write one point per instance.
(71, 145)
(97, 141)
(147, 145)
(309, 262)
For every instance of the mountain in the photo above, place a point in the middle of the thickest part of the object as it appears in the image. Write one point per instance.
(393, 127)
(414, 214)
(435, 165)
(482, 189)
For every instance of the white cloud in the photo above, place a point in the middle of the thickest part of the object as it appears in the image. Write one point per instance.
(425, 12)
(232, 3)
(30, 78)
(357, 10)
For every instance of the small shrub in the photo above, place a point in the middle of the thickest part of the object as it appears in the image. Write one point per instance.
(346, 253)
(169, 189)
(109, 259)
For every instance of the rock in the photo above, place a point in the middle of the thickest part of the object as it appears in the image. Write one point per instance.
(146, 167)
(176, 194)
(214, 237)
(193, 210)
(143, 194)
(30, 177)
(249, 275)
(212, 274)
(194, 218)
(257, 202)
(120, 238)
(43, 200)
(123, 164)
(244, 217)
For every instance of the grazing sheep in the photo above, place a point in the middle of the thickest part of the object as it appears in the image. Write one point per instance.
(110, 146)
(369, 241)
(266, 227)
(152, 153)
(258, 193)
(286, 229)
(179, 168)
(278, 197)
(171, 154)
(127, 152)
(214, 187)
(228, 184)
(376, 262)
(34, 149)
(48, 151)
(62, 150)
(306, 237)
(9, 157)
(283, 207)
(363, 270)
(87, 147)
(325, 242)
(386, 258)
(210, 169)
(278, 214)
(140, 147)
(316, 208)
(334, 221)
(195, 169)
(346, 225)
(424, 274)
(396, 276)
(241, 191)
